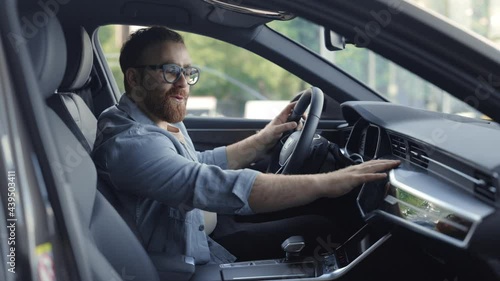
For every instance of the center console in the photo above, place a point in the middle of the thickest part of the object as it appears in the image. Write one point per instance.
(269, 270)
(329, 264)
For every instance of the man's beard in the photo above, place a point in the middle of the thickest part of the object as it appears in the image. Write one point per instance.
(166, 108)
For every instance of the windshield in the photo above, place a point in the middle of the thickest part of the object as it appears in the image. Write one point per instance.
(481, 17)
(390, 80)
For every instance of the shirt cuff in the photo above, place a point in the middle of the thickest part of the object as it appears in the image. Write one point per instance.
(220, 157)
(243, 188)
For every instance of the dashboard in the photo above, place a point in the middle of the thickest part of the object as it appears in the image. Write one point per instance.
(446, 187)
(434, 217)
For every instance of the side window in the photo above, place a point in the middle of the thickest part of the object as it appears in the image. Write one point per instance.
(233, 82)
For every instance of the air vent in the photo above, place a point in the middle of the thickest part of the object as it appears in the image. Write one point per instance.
(418, 155)
(398, 146)
(485, 186)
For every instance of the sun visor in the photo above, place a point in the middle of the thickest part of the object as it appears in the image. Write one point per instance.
(235, 19)
(237, 15)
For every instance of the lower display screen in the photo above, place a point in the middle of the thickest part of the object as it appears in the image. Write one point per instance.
(424, 213)
(403, 204)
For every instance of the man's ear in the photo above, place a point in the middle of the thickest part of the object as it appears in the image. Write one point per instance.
(133, 78)
(136, 91)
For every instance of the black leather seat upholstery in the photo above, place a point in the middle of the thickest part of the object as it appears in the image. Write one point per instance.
(112, 249)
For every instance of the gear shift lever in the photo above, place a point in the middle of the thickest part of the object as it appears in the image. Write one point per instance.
(292, 247)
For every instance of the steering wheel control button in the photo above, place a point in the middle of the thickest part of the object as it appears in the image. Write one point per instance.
(288, 148)
(288, 143)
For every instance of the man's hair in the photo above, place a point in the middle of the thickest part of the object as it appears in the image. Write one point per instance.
(141, 39)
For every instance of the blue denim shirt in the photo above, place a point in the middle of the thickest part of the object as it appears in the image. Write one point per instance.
(164, 183)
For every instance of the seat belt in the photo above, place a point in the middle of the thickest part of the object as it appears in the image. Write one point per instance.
(56, 103)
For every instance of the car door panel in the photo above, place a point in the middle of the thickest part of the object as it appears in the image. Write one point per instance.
(208, 133)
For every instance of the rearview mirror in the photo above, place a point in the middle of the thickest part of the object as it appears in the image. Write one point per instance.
(334, 41)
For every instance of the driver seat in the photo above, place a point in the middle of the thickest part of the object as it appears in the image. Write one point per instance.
(111, 247)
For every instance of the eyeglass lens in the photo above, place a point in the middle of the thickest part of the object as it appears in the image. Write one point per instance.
(172, 73)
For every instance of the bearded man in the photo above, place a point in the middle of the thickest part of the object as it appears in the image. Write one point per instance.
(144, 153)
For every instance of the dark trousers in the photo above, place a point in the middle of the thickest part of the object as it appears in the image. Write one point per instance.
(262, 239)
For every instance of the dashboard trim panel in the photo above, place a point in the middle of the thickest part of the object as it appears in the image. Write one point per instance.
(457, 172)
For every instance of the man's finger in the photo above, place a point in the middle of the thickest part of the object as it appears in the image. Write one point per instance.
(285, 127)
(380, 165)
(283, 115)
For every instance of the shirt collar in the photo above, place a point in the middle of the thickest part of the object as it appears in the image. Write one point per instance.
(131, 108)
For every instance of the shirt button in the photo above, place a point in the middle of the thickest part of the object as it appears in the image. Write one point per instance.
(201, 228)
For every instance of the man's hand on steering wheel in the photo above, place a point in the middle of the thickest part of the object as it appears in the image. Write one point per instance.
(254, 148)
(273, 131)
(288, 157)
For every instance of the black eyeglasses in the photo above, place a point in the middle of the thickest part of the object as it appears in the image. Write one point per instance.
(172, 72)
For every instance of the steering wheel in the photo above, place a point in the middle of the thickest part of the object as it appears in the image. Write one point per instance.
(296, 147)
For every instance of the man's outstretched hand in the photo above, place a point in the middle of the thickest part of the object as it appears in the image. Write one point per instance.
(277, 192)
(344, 180)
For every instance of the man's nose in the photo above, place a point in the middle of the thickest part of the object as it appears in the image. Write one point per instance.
(182, 82)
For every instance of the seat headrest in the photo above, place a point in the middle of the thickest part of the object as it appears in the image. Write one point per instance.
(47, 49)
(80, 59)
